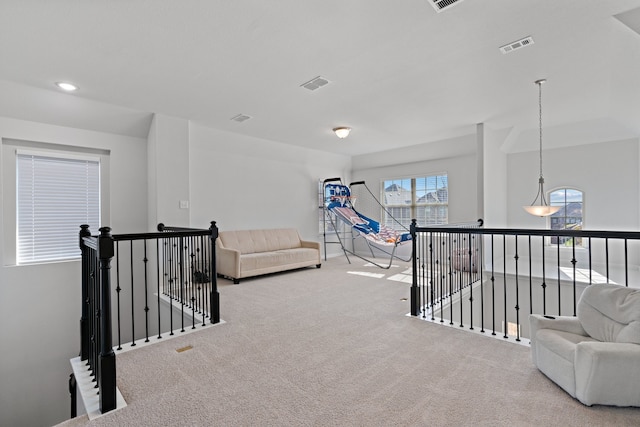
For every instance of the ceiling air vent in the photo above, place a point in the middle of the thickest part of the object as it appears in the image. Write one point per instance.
(510, 47)
(240, 118)
(315, 83)
(440, 5)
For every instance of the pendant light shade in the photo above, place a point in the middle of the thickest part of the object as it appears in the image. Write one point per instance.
(540, 207)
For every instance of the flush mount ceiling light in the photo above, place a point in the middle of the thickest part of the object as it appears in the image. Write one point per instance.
(69, 87)
(543, 208)
(342, 132)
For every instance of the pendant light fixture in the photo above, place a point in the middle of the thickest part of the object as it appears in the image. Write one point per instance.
(541, 208)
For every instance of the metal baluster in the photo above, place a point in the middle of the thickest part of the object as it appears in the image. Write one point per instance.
(145, 260)
(192, 290)
(544, 285)
(432, 267)
(517, 307)
(118, 289)
(574, 261)
(470, 284)
(172, 268)
(504, 287)
(559, 284)
(480, 263)
(606, 246)
(158, 286)
(181, 280)
(626, 264)
(133, 317)
(493, 288)
(530, 279)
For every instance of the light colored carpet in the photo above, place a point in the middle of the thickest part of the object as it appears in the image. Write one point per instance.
(322, 347)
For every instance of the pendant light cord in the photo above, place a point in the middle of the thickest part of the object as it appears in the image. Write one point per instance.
(540, 119)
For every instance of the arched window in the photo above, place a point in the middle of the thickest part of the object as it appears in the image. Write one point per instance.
(570, 216)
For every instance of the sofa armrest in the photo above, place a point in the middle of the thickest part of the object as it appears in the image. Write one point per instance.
(227, 261)
(309, 244)
(607, 373)
(312, 245)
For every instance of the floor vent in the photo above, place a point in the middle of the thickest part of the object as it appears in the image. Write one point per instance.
(510, 47)
(240, 118)
(440, 5)
(315, 83)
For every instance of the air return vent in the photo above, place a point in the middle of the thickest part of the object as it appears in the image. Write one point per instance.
(440, 5)
(519, 44)
(240, 118)
(315, 83)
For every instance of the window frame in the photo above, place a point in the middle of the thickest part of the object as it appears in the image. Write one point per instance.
(9, 151)
(414, 205)
(549, 219)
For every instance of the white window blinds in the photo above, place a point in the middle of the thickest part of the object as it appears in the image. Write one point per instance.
(55, 196)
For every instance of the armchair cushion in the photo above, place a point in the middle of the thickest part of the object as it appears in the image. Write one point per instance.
(611, 313)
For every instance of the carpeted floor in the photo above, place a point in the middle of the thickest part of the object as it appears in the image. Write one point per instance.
(323, 347)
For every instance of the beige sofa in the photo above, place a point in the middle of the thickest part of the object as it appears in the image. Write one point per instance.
(247, 253)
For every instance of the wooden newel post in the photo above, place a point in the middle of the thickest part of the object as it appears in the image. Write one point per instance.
(107, 362)
(85, 334)
(215, 295)
(415, 290)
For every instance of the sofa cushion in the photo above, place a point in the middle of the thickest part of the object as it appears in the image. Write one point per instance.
(611, 313)
(256, 241)
(285, 257)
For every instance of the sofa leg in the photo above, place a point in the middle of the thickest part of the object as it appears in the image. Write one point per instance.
(236, 281)
(318, 265)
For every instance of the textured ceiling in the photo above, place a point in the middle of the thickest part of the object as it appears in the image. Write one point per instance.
(400, 74)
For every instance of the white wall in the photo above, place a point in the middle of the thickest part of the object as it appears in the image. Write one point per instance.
(461, 173)
(494, 171)
(40, 304)
(168, 171)
(245, 183)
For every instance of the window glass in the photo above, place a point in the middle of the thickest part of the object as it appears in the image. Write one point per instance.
(570, 215)
(55, 195)
(424, 198)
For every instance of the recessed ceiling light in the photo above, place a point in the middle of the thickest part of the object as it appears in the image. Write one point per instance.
(67, 86)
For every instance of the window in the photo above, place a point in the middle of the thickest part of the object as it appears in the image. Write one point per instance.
(424, 198)
(570, 215)
(55, 195)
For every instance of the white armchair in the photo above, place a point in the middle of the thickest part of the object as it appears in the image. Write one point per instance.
(595, 357)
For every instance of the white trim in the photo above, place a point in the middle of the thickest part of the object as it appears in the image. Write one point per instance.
(58, 155)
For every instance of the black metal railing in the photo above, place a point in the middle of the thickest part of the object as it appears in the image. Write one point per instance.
(492, 279)
(445, 262)
(163, 281)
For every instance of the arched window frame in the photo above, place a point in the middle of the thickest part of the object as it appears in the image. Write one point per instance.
(562, 213)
